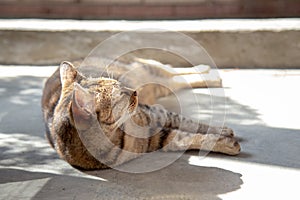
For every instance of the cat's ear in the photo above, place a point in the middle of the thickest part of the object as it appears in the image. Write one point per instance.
(82, 107)
(68, 73)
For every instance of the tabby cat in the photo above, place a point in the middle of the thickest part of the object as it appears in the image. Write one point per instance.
(101, 122)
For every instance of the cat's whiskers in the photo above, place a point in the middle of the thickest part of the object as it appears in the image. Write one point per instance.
(112, 75)
(103, 71)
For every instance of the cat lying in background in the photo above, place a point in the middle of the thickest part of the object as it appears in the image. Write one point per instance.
(75, 104)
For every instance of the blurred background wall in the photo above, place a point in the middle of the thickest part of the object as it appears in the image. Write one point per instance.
(148, 9)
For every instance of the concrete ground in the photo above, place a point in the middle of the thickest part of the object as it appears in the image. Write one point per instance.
(262, 107)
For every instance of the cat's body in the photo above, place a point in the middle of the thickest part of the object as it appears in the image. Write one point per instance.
(96, 123)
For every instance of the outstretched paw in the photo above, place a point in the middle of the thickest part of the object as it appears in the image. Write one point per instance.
(225, 131)
(228, 145)
(221, 144)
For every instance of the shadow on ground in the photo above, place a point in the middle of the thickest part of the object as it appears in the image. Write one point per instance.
(260, 143)
(20, 110)
(190, 182)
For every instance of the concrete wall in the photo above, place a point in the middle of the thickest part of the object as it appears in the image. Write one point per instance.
(230, 43)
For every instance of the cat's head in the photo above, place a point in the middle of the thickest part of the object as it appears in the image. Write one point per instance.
(104, 97)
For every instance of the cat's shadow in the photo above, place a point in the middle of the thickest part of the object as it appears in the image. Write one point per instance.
(179, 180)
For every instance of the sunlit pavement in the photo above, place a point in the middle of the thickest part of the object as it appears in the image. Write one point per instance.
(262, 107)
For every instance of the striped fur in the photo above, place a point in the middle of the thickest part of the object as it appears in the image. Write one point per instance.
(96, 123)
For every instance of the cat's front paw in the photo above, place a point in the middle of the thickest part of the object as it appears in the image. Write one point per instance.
(221, 144)
(225, 131)
(228, 145)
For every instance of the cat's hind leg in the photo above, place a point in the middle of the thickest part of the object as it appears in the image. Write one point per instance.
(160, 80)
(177, 140)
(165, 70)
(196, 77)
(174, 120)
